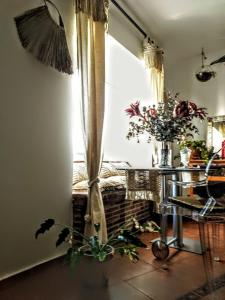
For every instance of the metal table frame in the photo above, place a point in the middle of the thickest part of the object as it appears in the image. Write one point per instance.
(177, 240)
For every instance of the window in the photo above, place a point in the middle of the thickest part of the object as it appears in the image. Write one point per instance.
(126, 82)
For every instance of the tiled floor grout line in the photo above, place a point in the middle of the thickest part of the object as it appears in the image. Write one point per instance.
(168, 263)
(135, 276)
(143, 261)
(140, 291)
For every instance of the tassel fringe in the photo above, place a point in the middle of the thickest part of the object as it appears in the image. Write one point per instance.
(97, 9)
(44, 38)
(142, 195)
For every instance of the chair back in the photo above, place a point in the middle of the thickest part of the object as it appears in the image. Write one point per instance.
(215, 187)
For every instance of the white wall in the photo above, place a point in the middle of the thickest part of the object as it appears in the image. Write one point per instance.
(180, 77)
(35, 149)
(124, 32)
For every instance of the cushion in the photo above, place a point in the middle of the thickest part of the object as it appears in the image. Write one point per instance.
(109, 183)
(79, 172)
(108, 170)
(121, 165)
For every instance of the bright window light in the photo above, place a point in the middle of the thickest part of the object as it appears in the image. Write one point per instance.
(126, 82)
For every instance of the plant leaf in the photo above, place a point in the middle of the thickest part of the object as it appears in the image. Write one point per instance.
(132, 239)
(46, 225)
(62, 236)
(130, 251)
(102, 256)
(97, 227)
(73, 257)
(94, 243)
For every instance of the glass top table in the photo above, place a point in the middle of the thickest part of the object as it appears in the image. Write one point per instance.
(152, 184)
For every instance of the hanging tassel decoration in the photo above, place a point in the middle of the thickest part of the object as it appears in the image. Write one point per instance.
(44, 38)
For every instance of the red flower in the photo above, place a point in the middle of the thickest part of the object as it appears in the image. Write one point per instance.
(153, 112)
(168, 122)
(133, 110)
(192, 106)
(198, 112)
(182, 110)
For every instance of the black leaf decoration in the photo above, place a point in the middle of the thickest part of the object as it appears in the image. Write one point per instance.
(62, 236)
(46, 225)
(220, 60)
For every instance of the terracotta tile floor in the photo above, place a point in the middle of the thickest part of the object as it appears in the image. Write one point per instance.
(148, 279)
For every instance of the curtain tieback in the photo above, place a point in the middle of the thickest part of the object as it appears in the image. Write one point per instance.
(92, 182)
(87, 218)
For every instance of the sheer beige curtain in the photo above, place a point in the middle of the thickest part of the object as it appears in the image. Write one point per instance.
(91, 21)
(153, 57)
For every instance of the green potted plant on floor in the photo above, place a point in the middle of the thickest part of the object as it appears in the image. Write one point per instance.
(91, 252)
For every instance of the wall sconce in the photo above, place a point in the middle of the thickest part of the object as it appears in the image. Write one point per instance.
(206, 72)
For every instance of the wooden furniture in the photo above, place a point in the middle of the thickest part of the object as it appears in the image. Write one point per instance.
(199, 162)
(118, 210)
(216, 178)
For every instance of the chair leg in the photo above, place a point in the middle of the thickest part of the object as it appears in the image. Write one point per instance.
(215, 241)
(207, 256)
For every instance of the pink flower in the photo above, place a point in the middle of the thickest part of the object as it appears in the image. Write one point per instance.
(153, 112)
(133, 110)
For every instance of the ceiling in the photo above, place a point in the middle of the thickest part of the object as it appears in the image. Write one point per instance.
(182, 27)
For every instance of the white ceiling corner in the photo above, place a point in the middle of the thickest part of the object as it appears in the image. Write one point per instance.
(182, 27)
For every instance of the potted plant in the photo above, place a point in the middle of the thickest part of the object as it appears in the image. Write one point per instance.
(92, 252)
(198, 148)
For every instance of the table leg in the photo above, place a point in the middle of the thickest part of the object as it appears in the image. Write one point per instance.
(177, 240)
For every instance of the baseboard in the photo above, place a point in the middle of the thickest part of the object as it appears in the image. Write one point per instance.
(21, 272)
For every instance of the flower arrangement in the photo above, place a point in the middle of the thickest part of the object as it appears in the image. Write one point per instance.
(170, 121)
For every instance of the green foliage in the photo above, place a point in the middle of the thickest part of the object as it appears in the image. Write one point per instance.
(125, 242)
(73, 256)
(200, 146)
(130, 251)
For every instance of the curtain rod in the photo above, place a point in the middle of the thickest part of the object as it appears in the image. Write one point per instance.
(129, 18)
(132, 21)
